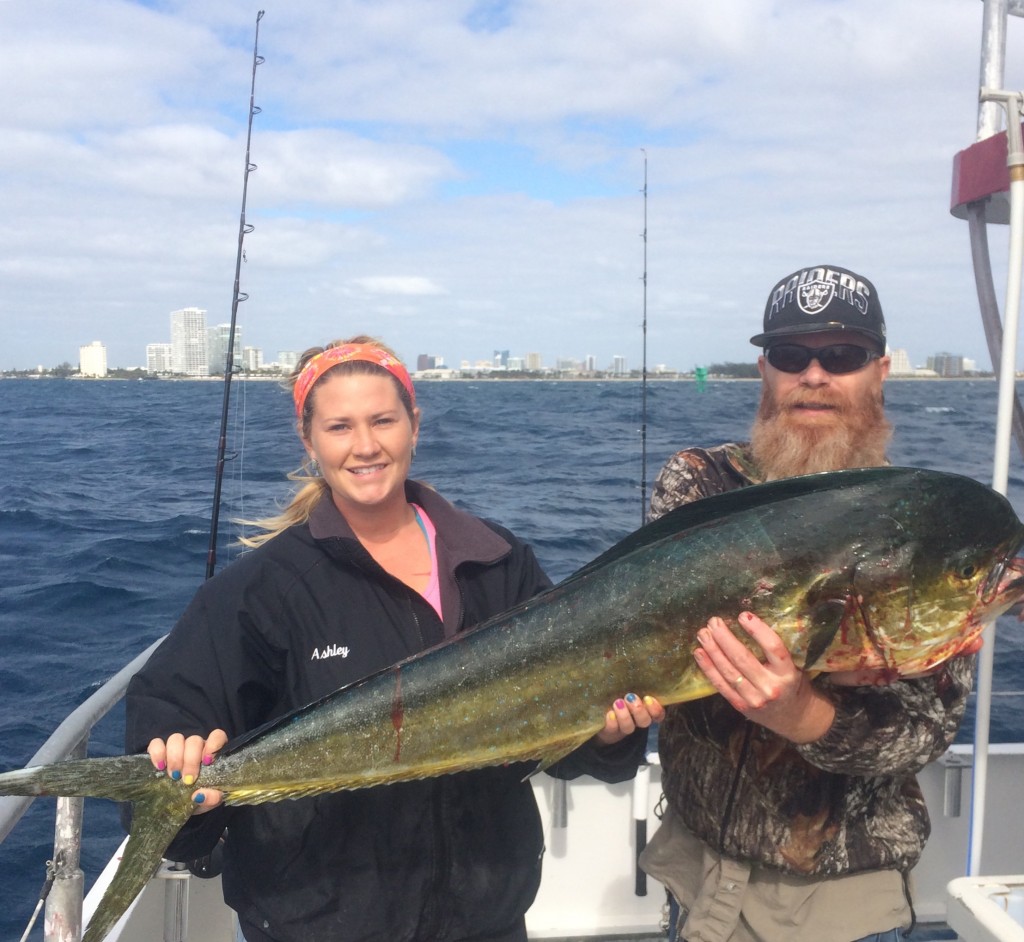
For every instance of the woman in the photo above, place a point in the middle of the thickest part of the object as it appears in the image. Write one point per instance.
(363, 569)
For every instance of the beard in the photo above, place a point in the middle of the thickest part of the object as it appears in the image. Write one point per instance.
(854, 434)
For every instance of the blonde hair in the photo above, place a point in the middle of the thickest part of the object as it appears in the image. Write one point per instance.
(311, 488)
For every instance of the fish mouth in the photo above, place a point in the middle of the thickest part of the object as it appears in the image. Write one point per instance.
(1006, 581)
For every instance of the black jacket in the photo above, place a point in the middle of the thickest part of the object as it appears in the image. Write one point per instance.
(445, 858)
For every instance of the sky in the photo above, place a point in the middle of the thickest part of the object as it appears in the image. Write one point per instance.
(458, 177)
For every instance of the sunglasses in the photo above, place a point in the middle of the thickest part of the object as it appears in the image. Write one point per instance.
(836, 358)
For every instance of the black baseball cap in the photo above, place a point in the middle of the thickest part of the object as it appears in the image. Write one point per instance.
(822, 298)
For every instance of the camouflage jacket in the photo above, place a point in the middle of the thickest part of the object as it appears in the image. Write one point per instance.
(848, 802)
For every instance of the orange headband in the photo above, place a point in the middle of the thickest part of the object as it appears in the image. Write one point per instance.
(322, 362)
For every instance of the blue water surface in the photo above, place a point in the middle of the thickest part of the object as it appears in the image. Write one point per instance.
(106, 500)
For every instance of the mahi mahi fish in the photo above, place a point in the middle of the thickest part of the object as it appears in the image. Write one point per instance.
(891, 568)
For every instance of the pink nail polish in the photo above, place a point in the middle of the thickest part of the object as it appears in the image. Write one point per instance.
(161, 765)
(620, 704)
(207, 760)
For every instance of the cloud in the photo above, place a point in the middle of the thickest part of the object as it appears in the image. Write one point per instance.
(397, 284)
(467, 176)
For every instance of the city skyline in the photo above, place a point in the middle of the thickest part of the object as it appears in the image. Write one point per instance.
(199, 349)
(193, 332)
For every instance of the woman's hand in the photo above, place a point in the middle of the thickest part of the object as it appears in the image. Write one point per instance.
(627, 715)
(775, 694)
(183, 758)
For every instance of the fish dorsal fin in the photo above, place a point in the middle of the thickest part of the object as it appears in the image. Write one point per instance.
(707, 509)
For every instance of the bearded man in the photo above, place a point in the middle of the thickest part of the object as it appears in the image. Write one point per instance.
(792, 809)
(821, 407)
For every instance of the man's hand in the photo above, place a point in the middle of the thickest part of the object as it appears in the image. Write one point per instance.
(776, 694)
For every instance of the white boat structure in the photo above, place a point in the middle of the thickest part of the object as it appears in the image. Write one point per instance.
(970, 882)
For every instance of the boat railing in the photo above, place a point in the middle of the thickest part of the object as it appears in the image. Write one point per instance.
(65, 881)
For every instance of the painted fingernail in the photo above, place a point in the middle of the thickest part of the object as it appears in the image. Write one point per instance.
(161, 765)
(649, 701)
(631, 697)
(620, 704)
(176, 774)
(207, 760)
(199, 798)
(189, 779)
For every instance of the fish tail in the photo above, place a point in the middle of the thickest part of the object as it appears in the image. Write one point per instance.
(161, 807)
(122, 778)
(157, 817)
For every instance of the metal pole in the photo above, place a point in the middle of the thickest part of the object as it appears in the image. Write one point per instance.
(993, 65)
(1004, 432)
(990, 113)
(63, 913)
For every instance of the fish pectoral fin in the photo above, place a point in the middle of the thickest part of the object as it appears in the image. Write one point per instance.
(156, 819)
(825, 616)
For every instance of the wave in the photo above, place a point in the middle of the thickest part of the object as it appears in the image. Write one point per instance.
(106, 490)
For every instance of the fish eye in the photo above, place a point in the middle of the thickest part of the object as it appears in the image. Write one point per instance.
(964, 566)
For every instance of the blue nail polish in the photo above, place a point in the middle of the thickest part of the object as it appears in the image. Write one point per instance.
(176, 774)
(631, 697)
(199, 798)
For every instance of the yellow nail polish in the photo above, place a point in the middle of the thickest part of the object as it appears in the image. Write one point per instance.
(648, 701)
(189, 779)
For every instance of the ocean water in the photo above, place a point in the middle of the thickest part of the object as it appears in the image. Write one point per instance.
(106, 499)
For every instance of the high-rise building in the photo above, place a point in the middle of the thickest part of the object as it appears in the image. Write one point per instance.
(188, 342)
(287, 360)
(947, 364)
(92, 359)
(252, 359)
(619, 366)
(158, 358)
(534, 362)
(217, 348)
(899, 362)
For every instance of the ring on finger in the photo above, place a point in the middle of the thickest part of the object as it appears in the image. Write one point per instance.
(738, 681)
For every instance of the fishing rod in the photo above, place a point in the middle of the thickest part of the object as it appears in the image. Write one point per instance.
(643, 372)
(642, 779)
(237, 297)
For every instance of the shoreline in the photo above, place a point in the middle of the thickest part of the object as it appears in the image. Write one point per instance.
(483, 377)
